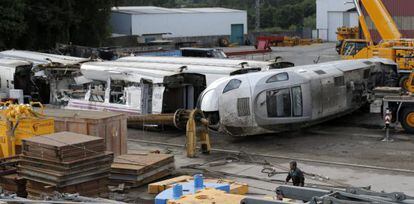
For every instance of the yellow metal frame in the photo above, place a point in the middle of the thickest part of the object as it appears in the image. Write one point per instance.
(20, 122)
(197, 127)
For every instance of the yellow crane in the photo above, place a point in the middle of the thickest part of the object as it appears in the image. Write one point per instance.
(19, 122)
(392, 46)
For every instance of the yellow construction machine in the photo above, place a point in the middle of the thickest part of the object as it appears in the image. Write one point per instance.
(392, 46)
(19, 122)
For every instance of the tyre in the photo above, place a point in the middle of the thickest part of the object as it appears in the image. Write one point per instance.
(404, 82)
(407, 119)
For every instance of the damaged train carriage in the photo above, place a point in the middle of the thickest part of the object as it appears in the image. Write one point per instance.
(43, 77)
(292, 98)
(263, 65)
(145, 88)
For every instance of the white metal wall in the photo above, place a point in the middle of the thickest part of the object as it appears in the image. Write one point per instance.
(331, 14)
(120, 23)
(335, 20)
(188, 24)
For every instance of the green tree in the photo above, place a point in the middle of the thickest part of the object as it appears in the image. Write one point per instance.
(40, 24)
(288, 16)
(12, 22)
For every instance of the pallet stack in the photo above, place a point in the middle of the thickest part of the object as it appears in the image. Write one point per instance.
(65, 162)
(13, 183)
(135, 170)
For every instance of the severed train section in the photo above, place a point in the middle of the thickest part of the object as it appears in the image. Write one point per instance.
(151, 87)
(292, 98)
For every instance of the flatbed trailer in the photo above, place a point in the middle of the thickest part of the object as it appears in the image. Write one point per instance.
(395, 106)
(402, 110)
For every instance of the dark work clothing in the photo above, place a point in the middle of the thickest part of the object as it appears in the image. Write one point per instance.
(297, 177)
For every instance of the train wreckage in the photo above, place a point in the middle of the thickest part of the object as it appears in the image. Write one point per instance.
(293, 98)
(239, 97)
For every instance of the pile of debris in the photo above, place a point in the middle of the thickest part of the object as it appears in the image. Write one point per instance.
(65, 162)
(135, 169)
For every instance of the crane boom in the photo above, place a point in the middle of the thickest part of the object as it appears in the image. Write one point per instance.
(363, 23)
(382, 19)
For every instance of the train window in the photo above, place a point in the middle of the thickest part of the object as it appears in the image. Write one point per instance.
(278, 77)
(320, 72)
(278, 103)
(339, 81)
(297, 101)
(366, 73)
(233, 84)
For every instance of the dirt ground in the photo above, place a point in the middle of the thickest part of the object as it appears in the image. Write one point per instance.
(347, 151)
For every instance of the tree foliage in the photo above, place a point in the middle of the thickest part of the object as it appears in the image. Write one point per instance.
(39, 24)
(12, 21)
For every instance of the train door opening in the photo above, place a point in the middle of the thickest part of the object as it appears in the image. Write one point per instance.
(182, 91)
(146, 99)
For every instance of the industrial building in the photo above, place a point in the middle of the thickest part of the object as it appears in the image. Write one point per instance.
(331, 14)
(180, 22)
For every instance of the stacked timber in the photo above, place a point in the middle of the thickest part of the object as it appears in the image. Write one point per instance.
(13, 183)
(65, 162)
(135, 170)
(110, 126)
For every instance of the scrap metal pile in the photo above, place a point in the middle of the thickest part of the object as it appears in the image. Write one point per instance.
(65, 162)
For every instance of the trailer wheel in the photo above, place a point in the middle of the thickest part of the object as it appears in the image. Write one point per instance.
(404, 82)
(407, 121)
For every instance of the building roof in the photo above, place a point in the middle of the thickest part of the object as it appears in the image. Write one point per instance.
(140, 10)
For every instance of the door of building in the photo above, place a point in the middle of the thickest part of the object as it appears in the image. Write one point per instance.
(237, 33)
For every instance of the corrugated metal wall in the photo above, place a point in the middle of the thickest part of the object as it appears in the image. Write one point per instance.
(403, 13)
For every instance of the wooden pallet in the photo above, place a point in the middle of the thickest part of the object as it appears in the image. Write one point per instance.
(13, 183)
(138, 169)
(65, 162)
(63, 146)
(94, 188)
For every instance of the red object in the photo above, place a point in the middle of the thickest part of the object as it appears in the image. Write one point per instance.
(263, 46)
(271, 38)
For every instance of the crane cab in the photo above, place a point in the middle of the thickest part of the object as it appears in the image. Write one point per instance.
(354, 49)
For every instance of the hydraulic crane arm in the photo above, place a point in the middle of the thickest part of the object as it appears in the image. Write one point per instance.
(363, 23)
(381, 18)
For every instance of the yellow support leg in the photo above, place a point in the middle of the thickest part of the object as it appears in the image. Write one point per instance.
(197, 127)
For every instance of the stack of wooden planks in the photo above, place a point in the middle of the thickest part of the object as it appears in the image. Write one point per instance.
(13, 183)
(65, 162)
(136, 169)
